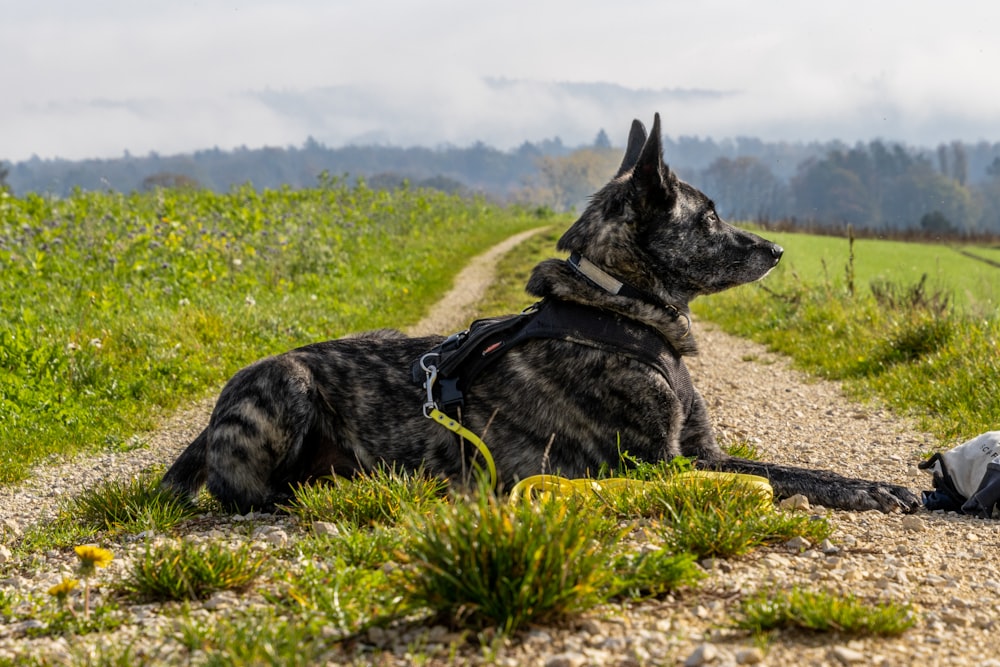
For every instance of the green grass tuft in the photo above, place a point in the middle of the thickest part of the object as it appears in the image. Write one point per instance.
(378, 497)
(481, 562)
(128, 506)
(185, 571)
(823, 612)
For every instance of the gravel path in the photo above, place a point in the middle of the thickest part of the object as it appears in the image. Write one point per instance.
(946, 565)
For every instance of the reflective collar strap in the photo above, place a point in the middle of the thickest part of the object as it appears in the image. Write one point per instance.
(609, 283)
(612, 285)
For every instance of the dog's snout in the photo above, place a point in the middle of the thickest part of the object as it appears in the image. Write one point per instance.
(777, 251)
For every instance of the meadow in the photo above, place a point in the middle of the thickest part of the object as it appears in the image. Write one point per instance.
(117, 309)
(970, 283)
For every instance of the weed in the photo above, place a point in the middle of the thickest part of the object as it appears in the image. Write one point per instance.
(480, 562)
(104, 617)
(257, 638)
(367, 548)
(655, 572)
(343, 599)
(823, 612)
(726, 519)
(377, 497)
(130, 506)
(743, 449)
(185, 571)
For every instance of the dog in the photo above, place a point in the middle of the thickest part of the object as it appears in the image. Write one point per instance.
(646, 244)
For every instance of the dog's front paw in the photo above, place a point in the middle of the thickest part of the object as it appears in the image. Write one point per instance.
(884, 497)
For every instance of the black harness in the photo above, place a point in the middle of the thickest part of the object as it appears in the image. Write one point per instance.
(460, 359)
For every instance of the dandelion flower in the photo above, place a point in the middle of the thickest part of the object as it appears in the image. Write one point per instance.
(92, 557)
(63, 588)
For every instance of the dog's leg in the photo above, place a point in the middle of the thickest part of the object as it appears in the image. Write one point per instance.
(822, 487)
(189, 471)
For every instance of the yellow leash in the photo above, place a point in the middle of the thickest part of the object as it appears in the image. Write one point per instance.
(549, 486)
(455, 427)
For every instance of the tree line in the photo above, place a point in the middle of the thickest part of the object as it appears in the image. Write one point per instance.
(952, 189)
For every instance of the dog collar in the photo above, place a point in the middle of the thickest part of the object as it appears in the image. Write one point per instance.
(616, 287)
(608, 282)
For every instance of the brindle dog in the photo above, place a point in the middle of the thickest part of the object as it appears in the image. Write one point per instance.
(646, 245)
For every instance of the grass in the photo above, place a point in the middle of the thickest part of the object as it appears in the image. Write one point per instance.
(376, 498)
(481, 562)
(821, 611)
(129, 506)
(815, 260)
(906, 345)
(188, 571)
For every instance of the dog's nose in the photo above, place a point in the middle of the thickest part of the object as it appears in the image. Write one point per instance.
(777, 251)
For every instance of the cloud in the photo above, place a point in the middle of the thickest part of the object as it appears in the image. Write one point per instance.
(93, 79)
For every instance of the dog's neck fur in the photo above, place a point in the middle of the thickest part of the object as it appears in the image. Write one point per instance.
(558, 279)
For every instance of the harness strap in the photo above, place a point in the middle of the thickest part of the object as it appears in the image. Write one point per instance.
(460, 359)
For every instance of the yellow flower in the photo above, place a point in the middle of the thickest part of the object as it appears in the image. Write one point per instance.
(92, 557)
(63, 588)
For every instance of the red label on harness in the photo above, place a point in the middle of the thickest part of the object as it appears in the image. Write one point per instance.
(492, 348)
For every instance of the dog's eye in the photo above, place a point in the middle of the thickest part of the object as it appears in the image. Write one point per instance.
(711, 217)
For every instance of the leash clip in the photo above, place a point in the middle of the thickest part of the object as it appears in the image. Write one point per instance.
(432, 373)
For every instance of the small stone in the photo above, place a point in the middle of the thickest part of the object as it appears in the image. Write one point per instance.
(702, 655)
(796, 502)
(221, 600)
(914, 524)
(798, 543)
(828, 547)
(5, 554)
(568, 659)
(326, 528)
(11, 526)
(538, 637)
(952, 617)
(847, 656)
(278, 538)
(749, 656)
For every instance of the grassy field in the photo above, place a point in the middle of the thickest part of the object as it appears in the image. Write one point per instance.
(821, 259)
(118, 308)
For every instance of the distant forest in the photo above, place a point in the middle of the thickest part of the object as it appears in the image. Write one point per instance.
(953, 189)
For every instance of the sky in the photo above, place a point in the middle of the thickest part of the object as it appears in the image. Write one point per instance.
(100, 78)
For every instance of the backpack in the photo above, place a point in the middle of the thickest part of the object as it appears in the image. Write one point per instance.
(967, 478)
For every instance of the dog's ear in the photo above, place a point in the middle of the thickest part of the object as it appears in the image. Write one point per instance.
(653, 180)
(636, 140)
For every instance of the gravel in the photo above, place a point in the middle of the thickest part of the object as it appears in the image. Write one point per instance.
(942, 563)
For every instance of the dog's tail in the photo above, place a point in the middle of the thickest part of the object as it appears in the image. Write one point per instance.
(187, 475)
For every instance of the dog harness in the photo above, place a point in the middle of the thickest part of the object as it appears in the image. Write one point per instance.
(449, 370)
